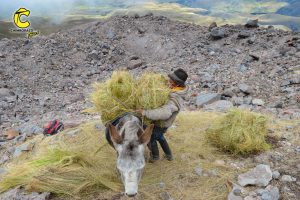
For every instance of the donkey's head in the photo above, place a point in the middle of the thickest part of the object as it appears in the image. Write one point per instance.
(130, 141)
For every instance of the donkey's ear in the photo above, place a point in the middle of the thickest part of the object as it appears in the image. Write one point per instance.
(115, 136)
(145, 137)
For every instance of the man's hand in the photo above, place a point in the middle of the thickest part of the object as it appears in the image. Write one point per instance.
(140, 112)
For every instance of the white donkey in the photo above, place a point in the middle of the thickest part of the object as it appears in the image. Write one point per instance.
(129, 140)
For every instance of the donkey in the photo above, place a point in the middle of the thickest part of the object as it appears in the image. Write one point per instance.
(128, 138)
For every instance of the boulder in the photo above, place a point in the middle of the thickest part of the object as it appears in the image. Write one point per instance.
(276, 175)
(207, 98)
(237, 101)
(288, 178)
(135, 64)
(212, 25)
(245, 88)
(258, 102)
(220, 106)
(261, 175)
(252, 23)
(244, 34)
(270, 193)
(217, 33)
(228, 92)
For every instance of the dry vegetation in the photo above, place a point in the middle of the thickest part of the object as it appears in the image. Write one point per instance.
(124, 93)
(80, 164)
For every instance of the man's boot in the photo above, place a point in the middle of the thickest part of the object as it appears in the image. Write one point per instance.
(165, 146)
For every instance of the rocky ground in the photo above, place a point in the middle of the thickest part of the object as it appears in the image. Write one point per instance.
(50, 77)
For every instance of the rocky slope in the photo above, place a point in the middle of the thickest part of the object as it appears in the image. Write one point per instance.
(50, 76)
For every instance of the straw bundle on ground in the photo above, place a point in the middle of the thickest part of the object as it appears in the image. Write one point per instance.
(239, 132)
(122, 93)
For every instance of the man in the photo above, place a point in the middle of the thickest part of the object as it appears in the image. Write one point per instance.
(165, 115)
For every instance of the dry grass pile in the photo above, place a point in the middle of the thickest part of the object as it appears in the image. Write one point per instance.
(80, 163)
(152, 91)
(111, 97)
(122, 93)
(240, 132)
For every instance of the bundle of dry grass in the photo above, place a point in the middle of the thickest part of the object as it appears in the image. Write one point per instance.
(115, 96)
(239, 132)
(122, 93)
(152, 91)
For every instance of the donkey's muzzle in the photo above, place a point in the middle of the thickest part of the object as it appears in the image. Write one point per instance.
(131, 195)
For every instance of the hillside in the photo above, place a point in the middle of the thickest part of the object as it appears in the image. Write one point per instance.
(50, 77)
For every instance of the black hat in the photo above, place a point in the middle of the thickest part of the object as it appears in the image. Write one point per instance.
(179, 76)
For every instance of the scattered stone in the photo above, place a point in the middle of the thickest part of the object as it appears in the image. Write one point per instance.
(217, 33)
(238, 101)
(235, 193)
(207, 98)
(18, 194)
(162, 185)
(94, 55)
(24, 147)
(165, 196)
(199, 171)
(220, 106)
(244, 34)
(288, 178)
(20, 138)
(228, 92)
(220, 163)
(141, 30)
(252, 23)
(245, 88)
(270, 193)
(11, 134)
(276, 175)
(4, 92)
(258, 102)
(261, 175)
(212, 173)
(72, 133)
(243, 67)
(135, 64)
(111, 34)
(248, 100)
(254, 56)
(30, 129)
(212, 25)
(251, 40)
